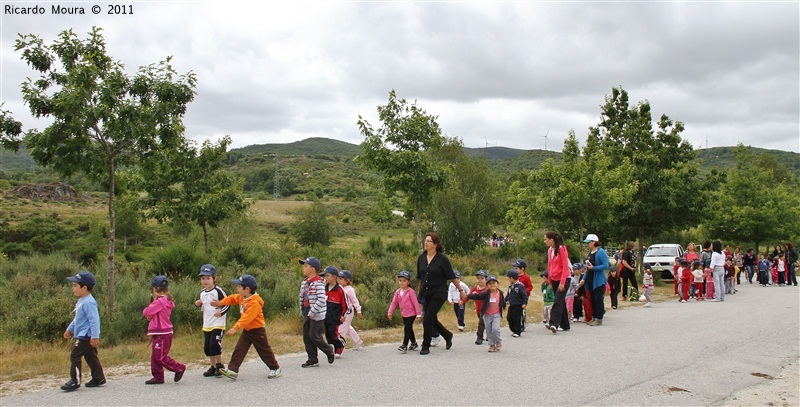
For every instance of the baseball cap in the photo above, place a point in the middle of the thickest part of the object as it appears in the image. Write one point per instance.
(591, 237)
(159, 281)
(208, 270)
(512, 273)
(346, 274)
(578, 265)
(520, 263)
(83, 277)
(457, 273)
(647, 266)
(330, 270)
(482, 273)
(312, 261)
(491, 278)
(544, 275)
(684, 262)
(404, 274)
(246, 280)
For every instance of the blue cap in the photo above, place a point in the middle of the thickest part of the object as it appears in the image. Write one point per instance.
(159, 281)
(208, 270)
(346, 274)
(578, 265)
(330, 270)
(404, 274)
(491, 278)
(520, 263)
(512, 273)
(544, 275)
(83, 277)
(246, 280)
(647, 266)
(457, 273)
(313, 262)
(684, 262)
(482, 273)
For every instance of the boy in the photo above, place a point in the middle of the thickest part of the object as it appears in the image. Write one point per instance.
(647, 284)
(454, 297)
(525, 279)
(729, 273)
(549, 298)
(763, 270)
(686, 280)
(335, 310)
(86, 329)
(214, 319)
(614, 284)
(313, 308)
(577, 297)
(251, 322)
(479, 287)
(517, 301)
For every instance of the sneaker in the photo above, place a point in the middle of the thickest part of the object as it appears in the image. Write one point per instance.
(413, 346)
(552, 328)
(95, 383)
(153, 381)
(649, 304)
(424, 351)
(220, 366)
(574, 319)
(339, 351)
(358, 345)
(479, 341)
(179, 375)
(310, 364)
(492, 348)
(274, 373)
(615, 307)
(544, 322)
(70, 386)
(230, 374)
(598, 322)
(435, 341)
(403, 349)
(515, 335)
(331, 357)
(461, 327)
(212, 371)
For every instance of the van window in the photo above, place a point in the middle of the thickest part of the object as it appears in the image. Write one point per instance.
(662, 252)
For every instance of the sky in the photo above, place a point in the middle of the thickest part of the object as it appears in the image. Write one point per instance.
(510, 74)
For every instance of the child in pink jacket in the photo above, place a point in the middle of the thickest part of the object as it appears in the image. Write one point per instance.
(345, 280)
(160, 331)
(406, 299)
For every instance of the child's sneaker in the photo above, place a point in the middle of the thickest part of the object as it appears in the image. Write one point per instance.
(309, 363)
(492, 348)
(358, 345)
(479, 341)
(413, 346)
(70, 386)
(274, 373)
(95, 383)
(515, 335)
(461, 327)
(435, 341)
(230, 374)
(212, 371)
(220, 366)
(403, 349)
(153, 381)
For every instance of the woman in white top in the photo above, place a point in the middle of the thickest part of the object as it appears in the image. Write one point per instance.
(717, 270)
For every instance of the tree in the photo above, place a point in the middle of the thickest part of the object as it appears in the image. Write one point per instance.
(103, 118)
(311, 226)
(10, 131)
(194, 186)
(403, 151)
(757, 202)
(465, 212)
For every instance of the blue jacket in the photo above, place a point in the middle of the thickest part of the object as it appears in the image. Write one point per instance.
(86, 324)
(600, 267)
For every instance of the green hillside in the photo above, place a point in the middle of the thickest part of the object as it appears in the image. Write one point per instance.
(315, 146)
(723, 158)
(20, 160)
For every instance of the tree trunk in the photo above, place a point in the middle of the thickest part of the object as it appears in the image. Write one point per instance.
(111, 234)
(205, 238)
(418, 222)
(640, 257)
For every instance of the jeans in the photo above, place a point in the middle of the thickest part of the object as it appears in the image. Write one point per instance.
(750, 272)
(647, 293)
(719, 283)
(492, 323)
(459, 311)
(792, 275)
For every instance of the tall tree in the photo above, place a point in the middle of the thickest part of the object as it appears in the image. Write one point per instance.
(102, 118)
(190, 185)
(10, 131)
(403, 150)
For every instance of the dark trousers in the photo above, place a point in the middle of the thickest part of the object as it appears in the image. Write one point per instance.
(598, 307)
(159, 358)
(481, 328)
(408, 330)
(82, 349)
(258, 339)
(333, 337)
(781, 279)
(763, 277)
(430, 322)
(614, 294)
(312, 339)
(628, 276)
(577, 307)
(559, 314)
(792, 275)
(459, 310)
(515, 318)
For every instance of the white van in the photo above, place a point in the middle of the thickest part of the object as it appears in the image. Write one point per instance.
(662, 258)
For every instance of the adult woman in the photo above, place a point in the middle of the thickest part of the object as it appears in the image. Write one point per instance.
(718, 271)
(433, 272)
(596, 277)
(791, 260)
(558, 271)
(691, 253)
(778, 250)
(749, 261)
(627, 271)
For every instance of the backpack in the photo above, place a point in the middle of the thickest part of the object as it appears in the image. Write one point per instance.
(633, 293)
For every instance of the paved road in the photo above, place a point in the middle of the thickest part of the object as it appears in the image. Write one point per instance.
(709, 350)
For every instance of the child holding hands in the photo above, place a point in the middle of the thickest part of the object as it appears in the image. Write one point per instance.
(214, 319)
(406, 299)
(492, 305)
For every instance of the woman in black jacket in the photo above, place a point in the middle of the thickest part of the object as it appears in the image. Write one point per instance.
(433, 272)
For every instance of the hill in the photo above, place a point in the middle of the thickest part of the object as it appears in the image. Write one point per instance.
(314, 146)
(723, 158)
(20, 160)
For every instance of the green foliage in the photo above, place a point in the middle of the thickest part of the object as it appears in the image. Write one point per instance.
(240, 254)
(177, 260)
(10, 131)
(312, 227)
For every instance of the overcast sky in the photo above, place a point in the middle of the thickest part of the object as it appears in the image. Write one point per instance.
(497, 74)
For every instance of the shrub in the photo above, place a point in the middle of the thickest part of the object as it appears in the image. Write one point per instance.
(374, 248)
(239, 253)
(177, 260)
(312, 226)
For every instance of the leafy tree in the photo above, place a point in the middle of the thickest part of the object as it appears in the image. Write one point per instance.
(193, 186)
(381, 212)
(465, 212)
(403, 151)
(10, 131)
(102, 118)
(757, 202)
(311, 226)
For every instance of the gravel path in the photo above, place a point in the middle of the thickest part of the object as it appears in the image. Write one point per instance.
(743, 351)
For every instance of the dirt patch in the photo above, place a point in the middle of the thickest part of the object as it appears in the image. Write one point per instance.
(775, 391)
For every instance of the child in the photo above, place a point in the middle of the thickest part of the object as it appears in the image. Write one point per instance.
(697, 272)
(336, 307)
(480, 286)
(773, 274)
(729, 272)
(213, 319)
(570, 297)
(780, 266)
(686, 280)
(577, 297)
(548, 297)
(517, 301)
(313, 309)
(353, 307)
(454, 297)
(160, 331)
(763, 270)
(614, 284)
(86, 329)
(585, 298)
(251, 323)
(525, 279)
(709, 277)
(647, 284)
(492, 305)
(406, 299)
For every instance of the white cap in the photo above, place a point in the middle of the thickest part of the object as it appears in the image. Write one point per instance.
(591, 237)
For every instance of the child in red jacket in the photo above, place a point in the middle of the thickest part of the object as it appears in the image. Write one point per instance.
(686, 279)
(336, 309)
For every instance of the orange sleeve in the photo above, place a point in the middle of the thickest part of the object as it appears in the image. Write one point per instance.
(233, 299)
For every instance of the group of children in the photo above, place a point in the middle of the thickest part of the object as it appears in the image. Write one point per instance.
(773, 270)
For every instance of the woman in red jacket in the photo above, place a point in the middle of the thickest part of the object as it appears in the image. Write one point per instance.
(558, 271)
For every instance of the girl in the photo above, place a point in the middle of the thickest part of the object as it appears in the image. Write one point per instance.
(647, 284)
(406, 299)
(213, 319)
(709, 280)
(577, 296)
(697, 272)
(353, 307)
(493, 303)
(160, 330)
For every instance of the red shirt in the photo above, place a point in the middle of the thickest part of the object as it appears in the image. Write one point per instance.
(526, 281)
(478, 303)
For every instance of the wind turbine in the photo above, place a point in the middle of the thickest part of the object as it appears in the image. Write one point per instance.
(545, 139)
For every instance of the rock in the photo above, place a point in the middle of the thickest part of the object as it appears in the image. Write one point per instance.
(52, 192)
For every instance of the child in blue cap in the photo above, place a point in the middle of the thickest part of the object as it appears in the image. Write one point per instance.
(160, 331)
(86, 329)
